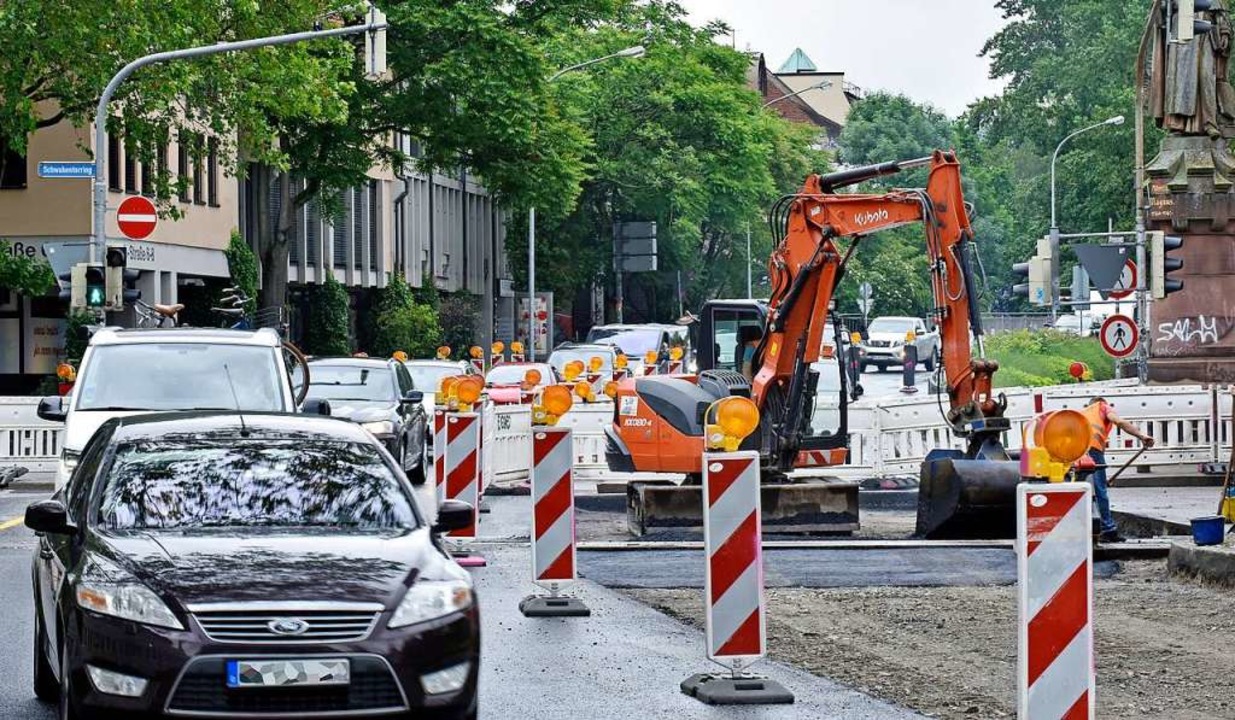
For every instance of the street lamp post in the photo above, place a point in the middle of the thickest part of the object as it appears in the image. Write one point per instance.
(630, 52)
(821, 85)
(1054, 234)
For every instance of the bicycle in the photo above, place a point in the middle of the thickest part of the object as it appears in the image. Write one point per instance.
(232, 308)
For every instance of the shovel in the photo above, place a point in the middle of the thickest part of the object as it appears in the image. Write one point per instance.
(1110, 481)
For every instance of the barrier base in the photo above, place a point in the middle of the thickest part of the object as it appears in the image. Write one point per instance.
(728, 690)
(468, 560)
(909, 389)
(553, 606)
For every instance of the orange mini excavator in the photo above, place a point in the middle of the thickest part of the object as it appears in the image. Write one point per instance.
(659, 420)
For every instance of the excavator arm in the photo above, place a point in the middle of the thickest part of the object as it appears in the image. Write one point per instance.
(822, 231)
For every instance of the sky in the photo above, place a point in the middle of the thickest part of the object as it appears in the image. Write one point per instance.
(925, 49)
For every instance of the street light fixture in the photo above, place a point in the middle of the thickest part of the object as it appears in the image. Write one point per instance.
(630, 52)
(821, 85)
(1054, 234)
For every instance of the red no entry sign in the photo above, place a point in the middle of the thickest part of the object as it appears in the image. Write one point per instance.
(1119, 336)
(137, 218)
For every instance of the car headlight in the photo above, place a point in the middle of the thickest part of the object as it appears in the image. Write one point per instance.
(106, 589)
(379, 427)
(431, 599)
(69, 460)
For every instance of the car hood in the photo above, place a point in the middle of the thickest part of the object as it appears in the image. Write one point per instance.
(361, 410)
(275, 565)
(887, 336)
(82, 424)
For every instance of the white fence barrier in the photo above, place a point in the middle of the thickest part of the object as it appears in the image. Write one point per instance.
(508, 441)
(27, 440)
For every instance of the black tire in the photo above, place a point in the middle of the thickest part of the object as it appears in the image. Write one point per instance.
(866, 367)
(933, 360)
(417, 474)
(46, 687)
(882, 368)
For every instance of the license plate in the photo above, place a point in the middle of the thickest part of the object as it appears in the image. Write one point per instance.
(288, 672)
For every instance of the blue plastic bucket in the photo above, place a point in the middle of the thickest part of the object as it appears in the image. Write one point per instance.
(1208, 530)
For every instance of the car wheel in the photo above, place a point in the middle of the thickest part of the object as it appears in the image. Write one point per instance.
(866, 367)
(933, 360)
(417, 474)
(68, 701)
(882, 368)
(45, 686)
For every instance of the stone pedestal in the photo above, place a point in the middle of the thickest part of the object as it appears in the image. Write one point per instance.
(1192, 195)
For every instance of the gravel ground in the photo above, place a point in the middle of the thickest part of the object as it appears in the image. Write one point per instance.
(1163, 645)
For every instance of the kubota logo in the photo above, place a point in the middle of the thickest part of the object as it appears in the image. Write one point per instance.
(870, 216)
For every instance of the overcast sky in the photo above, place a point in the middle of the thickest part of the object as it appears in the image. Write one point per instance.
(926, 49)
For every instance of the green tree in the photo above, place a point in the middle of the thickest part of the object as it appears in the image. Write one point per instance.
(402, 323)
(26, 275)
(327, 331)
(242, 266)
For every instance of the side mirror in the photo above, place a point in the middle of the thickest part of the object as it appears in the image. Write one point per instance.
(414, 397)
(49, 516)
(316, 406)
(453, 515)
(52, 408)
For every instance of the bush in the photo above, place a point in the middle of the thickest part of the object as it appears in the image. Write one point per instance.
(1043, 357)
(327, 331)
(458, 315)
(401, 323)
(75, 336)
(242, 266)
(29, 276)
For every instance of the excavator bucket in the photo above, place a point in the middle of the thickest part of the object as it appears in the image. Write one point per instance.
(962, 498)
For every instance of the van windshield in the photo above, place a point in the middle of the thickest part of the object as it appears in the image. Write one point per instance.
(181, 376)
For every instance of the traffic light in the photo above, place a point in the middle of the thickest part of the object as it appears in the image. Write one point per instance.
(1038, 287)
(1187, 26)
(131, 294)
(1160, 245)
(96, 286)
(115, 260)
(73, 287)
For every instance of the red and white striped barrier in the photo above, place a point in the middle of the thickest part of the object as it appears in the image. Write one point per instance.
(462, 466)
(496, 360)
(439, 455)
(676, 367)
(1054, 549)
(553, 524)
(516, 357)
(597, 382)
(736, 627)
(478, 364)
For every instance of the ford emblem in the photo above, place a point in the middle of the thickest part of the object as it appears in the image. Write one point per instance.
(287, 626)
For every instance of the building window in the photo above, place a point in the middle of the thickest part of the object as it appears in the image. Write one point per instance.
(199, 172)
(149, 170)
(13, 170)
(161, 161)
(339, 238)
(373, 225)
(130, 166)
(212, 172)
(313, 232)
(182, 164)
(114, 169)
(358, 226)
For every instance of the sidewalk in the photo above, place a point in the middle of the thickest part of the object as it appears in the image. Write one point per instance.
(1174, 505)
(623, 662)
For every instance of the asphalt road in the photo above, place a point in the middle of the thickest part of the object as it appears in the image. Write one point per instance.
(887, 384)
(16, 620)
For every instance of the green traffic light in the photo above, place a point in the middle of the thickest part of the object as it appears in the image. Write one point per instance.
(94, 296)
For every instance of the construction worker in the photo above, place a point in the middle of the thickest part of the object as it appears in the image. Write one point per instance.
(1102, 419)
(749, 337)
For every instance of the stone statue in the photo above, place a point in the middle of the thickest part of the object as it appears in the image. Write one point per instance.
(1190, 93)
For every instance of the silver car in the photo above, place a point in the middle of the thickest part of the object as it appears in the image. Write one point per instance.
(885, 343)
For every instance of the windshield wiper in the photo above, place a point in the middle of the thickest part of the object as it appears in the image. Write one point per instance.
(118, 408)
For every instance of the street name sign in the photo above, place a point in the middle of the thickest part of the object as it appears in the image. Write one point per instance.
(66, 169)
(137, 218)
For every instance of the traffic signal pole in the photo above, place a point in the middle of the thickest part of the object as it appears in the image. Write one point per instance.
(99, 242)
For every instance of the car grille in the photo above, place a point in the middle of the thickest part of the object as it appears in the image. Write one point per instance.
(253, 625)
(879, 343)
(203, 689)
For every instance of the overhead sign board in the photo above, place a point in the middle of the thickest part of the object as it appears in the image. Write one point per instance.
(66, 169)
(639, 263)
(639, 246)
(1105, 264)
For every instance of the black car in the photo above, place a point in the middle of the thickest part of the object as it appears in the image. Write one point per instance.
(381, 397)
(219, 566)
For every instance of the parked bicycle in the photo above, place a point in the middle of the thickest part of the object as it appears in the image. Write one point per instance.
(232, 307)
(156, 315)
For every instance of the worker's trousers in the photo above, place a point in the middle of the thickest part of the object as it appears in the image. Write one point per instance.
(1100, 494)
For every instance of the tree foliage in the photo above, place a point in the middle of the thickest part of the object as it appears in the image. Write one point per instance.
(327, 331)
(402, 323)
(242, 267)
(29, 276)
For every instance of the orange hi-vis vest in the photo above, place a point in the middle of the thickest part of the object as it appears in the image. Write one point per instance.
(1099, 424)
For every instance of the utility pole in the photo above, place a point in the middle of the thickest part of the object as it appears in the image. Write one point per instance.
(376, 23)
(749, 292)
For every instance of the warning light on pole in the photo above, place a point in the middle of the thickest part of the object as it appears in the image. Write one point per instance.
(555, 401)
(733, 419)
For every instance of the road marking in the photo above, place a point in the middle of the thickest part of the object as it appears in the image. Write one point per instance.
(11, 523)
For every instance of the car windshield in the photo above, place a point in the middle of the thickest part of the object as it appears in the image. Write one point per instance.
(513, 374)
(634, 343)
(560, 358)
(181, 376)
(349, 382)
(428, 378)
(166, 484)
(892, 325)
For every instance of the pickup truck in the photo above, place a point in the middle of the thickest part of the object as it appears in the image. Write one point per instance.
(884, 344)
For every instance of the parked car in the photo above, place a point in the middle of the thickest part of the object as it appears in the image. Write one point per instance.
(219, 565)
(427, 374)
(378, 395)
(885, 343)
(505, 382)
(636, 340)
(1074, 324)
(567, 352)
(124, 372)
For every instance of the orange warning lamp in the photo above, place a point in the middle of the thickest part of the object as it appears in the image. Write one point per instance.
(468, 390)
(1078, 370)
(595, 363)
(650, 357)
(516, 347)
(855, 337)
(1064, 434)
(400, 356)
(620, 361)
(531, 379)
(66, 373)
(583, 389)
(675, 354)
(555, 401)
(497, 348)
(443, 352)
(476, 352)
(829, 352)
(735, 418)
(573, 370)
(446, 385)
(611, 389)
